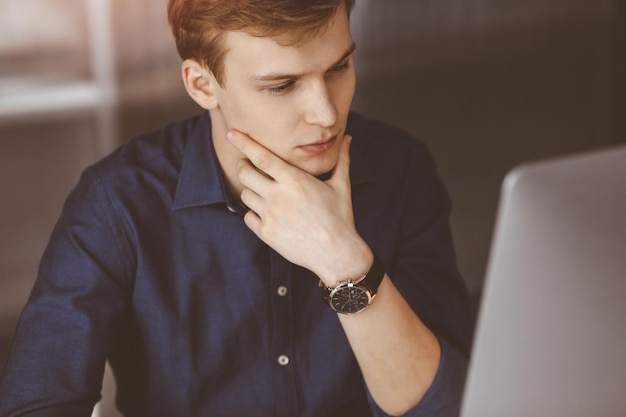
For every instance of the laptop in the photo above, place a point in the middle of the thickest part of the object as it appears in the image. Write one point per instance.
(551, 331)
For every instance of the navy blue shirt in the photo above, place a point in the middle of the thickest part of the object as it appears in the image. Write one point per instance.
(152, 267)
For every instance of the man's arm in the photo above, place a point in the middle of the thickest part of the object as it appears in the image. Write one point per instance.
(398, 355)
(57, 361)
(311, 224)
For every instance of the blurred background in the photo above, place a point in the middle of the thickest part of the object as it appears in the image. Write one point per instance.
(487, 84)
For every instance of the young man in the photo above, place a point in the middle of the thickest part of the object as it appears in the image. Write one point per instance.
(275, 256)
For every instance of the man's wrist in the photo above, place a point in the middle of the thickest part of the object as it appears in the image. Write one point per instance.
(353, 265)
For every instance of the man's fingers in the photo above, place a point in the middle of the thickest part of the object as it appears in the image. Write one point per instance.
(261, 157)
(253, 201)
(252, 177)
(253, 221)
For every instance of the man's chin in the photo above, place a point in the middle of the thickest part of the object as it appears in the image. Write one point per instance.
(321, 168)
(322, 173)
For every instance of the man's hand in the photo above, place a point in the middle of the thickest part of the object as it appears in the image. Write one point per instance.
(311, 223)
(308, 221)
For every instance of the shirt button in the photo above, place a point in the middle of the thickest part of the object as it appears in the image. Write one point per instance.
(282, 291)
(283, 360)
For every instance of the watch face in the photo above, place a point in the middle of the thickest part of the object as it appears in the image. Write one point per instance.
(349, 299)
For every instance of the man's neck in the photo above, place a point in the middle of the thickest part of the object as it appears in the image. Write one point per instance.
(227, 155)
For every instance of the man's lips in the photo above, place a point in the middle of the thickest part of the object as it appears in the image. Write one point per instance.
(320, 146)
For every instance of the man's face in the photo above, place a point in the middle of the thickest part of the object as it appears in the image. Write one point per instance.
(294, 100)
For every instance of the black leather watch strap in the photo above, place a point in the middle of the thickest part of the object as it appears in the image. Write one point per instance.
(371, 280)
(375, 275)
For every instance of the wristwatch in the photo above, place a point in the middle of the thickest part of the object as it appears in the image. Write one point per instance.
(352, 296)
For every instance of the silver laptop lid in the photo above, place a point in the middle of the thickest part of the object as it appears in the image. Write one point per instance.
(551, 332)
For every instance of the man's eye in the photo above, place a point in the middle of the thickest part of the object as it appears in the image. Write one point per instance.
(281, 89)
(340, 67)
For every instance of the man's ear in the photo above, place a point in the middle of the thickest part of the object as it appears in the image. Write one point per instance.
(200, 83)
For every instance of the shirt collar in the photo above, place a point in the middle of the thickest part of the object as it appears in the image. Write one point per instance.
(201, 180)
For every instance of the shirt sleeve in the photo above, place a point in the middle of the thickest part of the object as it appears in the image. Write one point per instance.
(442, 398)
(61, 343)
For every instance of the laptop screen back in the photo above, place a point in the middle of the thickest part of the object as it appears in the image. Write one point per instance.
(551, 333)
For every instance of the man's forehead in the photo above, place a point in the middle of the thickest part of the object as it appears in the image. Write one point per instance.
(243, 44)
(260, 55)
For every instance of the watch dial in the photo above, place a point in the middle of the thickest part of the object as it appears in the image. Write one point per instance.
(349, 299)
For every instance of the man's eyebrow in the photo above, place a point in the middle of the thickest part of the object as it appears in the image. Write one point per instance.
(275, 76)
(348, 52)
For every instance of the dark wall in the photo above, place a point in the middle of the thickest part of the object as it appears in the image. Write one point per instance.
(493, 84)
(619, 53)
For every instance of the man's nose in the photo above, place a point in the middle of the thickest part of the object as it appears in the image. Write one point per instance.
(319, 106)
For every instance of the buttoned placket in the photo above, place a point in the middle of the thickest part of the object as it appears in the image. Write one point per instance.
(286, 397)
